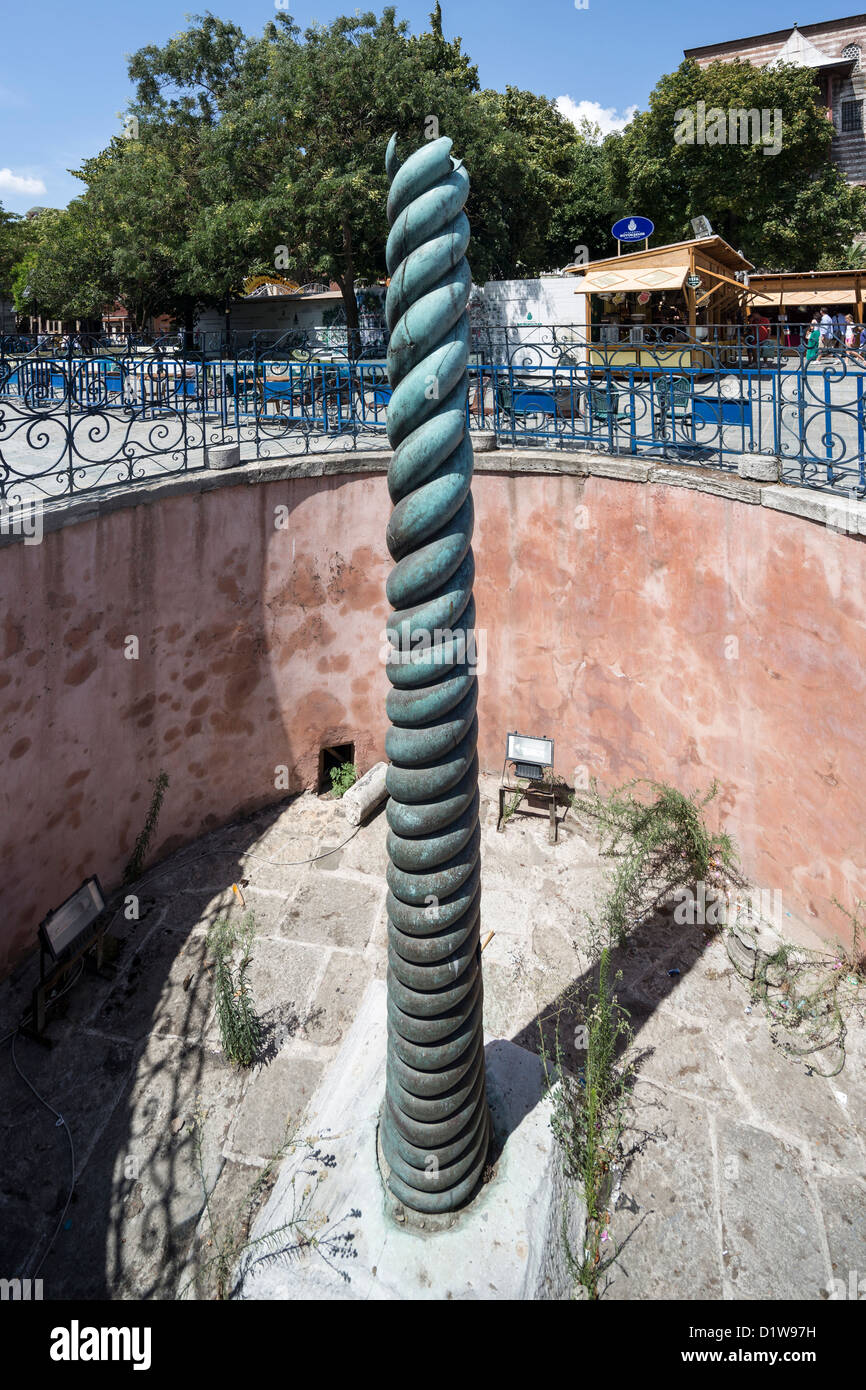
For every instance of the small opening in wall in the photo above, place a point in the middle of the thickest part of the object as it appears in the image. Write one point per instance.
(333, 757)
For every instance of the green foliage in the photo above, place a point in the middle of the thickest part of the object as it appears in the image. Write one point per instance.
(139, 853)
(246, 144)
(342, 778)
(851, 257)
(809, 996)
(510, 806)
(239, 1023)
(16, 235)
(784, 211)
(306, 1231)
(588, 1120)
(660, 845)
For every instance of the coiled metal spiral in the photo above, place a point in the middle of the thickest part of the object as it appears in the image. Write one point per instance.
(435, 1125)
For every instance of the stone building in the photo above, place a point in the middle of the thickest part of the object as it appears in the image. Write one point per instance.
(836, 51)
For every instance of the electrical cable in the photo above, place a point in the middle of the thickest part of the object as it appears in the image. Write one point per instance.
(59, 1121)
(52, 999)
(216, 853)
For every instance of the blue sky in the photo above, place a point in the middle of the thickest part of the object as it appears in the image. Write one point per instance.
(64, 78)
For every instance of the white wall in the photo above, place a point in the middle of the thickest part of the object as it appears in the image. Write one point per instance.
(267, 315)
(550, 299)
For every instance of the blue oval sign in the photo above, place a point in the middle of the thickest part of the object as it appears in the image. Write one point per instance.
(632, 229)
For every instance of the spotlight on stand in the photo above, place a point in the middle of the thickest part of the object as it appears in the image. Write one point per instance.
(530, 758)
(67, 933)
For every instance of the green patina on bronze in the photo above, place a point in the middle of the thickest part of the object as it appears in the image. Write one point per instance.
(435, 1125)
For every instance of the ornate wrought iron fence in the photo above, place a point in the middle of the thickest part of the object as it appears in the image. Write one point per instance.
(95, 415)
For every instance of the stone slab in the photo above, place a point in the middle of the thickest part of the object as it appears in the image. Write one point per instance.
(628, 469)
(506, 1245)
(329, 911)
(702, 480)
(844, 514)
(763, 1195)
(844, 1205)
(224, 456)
(275, 1099)
(761, 468)
(665, 1220)
(365, 795)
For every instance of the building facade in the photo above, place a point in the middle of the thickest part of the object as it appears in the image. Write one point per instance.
(836, 52)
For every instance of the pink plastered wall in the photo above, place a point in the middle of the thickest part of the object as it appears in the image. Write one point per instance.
(651, 630)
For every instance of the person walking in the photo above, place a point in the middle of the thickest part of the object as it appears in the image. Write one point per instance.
(812, 343)
(852, 341)
(825, 343)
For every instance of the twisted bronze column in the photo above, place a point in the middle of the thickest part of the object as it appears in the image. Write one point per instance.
(435, 1123)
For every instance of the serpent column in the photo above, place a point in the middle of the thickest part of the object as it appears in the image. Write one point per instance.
(435, 1125)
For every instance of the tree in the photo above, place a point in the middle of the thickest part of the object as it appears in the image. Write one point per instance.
(15, 238)
(65, 271)
(780, 200)
(255, 153)
(560, 198)
(291, 131)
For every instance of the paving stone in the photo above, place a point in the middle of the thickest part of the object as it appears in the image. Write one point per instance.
(379, 931)
(366, 852)
(233, 1205)
(132, 1234)
(771, 1244)
(282, 978)
(140, 1197)
(778, 1095)
(211, 869)
(510, 1004)
(165, 987)
(274, 1102)
(333, 1010)
(282, 864)
(508, 911)
(268, 908)
(195, 913)
(705, 982)
(665, 1222)
(332, 911)
(82, 1077)
(555, 955)
(843, 1202)
(682, 1055)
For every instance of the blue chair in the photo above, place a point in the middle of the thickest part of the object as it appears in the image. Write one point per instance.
(521, 403)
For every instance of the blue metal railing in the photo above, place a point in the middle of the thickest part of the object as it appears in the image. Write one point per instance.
(73, 422)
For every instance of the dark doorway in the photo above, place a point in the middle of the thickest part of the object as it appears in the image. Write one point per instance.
(330, 758)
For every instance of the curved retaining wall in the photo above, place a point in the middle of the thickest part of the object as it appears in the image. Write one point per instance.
(655, 622)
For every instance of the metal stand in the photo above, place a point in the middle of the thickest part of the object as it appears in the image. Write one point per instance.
(93, 952)
(537, 787)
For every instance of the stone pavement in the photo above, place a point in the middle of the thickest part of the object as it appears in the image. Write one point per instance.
(748, 1181)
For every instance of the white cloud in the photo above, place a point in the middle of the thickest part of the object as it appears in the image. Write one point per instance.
(18, 183)
(605, 117)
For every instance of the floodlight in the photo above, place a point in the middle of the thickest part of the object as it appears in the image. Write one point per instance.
(61, 931)
(530, 755)
(69, 932)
